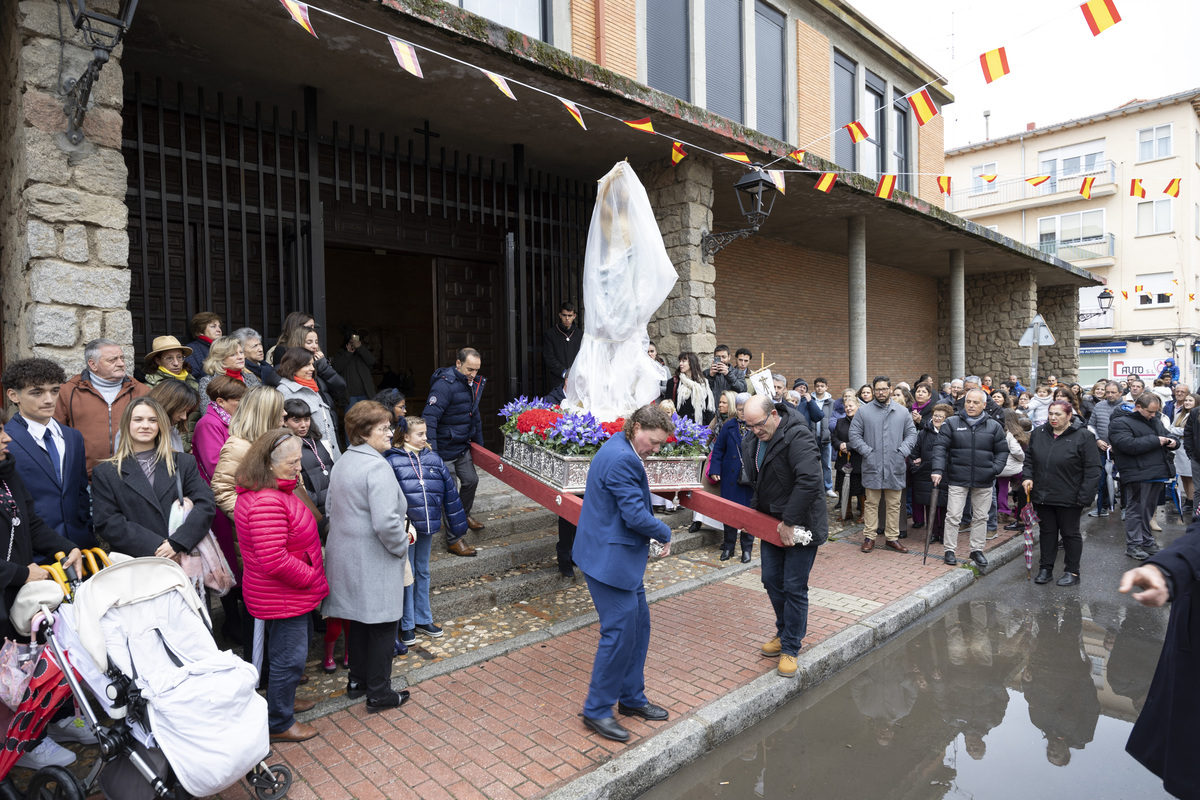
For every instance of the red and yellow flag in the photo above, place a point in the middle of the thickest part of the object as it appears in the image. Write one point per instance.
(944, 184)
(922, 106)
(1135, 188)
(573, 110)
(1191, 297)
(994, 63)
(677, 152)
(1138, 288)
(1125, 295)
(1085, 188)
(640, 124)
(299, 12)
(987, 178)
(857, 131)
(501, 84)
(887, 185)
(1037, 180)
(777, 178)
(826, 181)
(797, 155)
(742, 157)
(1100, 15)
(406, 56)
(1172, 187)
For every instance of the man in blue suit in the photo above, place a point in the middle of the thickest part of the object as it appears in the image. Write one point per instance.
(611, 548)
(50, 457)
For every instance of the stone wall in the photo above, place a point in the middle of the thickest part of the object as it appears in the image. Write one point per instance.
(1059, 305)
(681, 196)
(999, 307)
(64, 248)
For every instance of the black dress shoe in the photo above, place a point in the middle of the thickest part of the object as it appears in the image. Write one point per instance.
(354, 689)
(1014, 526)
(726, 554)
(979, 559)
(1044, 575)
(1068, 579)
(392, 700)
(608, 727)
(950, 559)
(695, 526)
(745, 556)
(649, 712)
(903, 535)
(916, 526)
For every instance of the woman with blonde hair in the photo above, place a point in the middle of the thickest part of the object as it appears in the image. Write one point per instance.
(225, 357)
(134, 491)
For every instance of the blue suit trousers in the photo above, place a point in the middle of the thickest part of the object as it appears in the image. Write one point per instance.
(619, 672)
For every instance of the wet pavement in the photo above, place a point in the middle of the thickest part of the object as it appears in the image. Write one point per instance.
(1013, 689)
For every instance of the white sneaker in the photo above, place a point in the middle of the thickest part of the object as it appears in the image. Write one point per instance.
(71, 730)
(46, 754)
(831, 493)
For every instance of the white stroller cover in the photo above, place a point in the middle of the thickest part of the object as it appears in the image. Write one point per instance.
(202, 705)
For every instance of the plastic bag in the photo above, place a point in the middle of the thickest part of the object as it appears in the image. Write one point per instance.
(16, 668)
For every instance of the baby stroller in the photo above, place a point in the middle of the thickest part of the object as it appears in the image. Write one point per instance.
(187, 719)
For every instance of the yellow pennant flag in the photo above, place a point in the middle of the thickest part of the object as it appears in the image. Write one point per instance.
(1100, 15)
(826, 181)
(1191, 297)
(1125, 295)
(1172, 187)
(922, 106)
(742, 157)
(887, 185)
(988, 178)
(1135, 188)
(299, 12)
(406, 55)
(1037, 180)
(640, 124)
(501, 84)
(857, 131)
(797, 155)
(994, 63)
(944, 184)
(677, 153)
(1138, 288)
(1085, 188)
(573, 110)
(777, 177)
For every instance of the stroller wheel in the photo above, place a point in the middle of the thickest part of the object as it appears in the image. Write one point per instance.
(54, 783)
(270, 783)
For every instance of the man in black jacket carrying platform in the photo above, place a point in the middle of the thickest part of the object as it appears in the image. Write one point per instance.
(782, 463)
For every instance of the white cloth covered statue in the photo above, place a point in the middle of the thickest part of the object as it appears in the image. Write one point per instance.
(626, 277)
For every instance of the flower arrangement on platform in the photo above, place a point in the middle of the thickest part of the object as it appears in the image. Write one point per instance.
(533, 421)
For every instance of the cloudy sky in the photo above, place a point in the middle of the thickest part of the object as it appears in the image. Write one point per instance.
(1059, 70)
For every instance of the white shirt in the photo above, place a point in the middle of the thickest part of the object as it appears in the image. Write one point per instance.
(37, 430)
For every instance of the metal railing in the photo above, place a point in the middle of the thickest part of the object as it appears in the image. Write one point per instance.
(1077, 250)
(991, 194)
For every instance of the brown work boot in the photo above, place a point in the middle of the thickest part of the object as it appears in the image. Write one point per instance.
(461, 548)
(772, 648)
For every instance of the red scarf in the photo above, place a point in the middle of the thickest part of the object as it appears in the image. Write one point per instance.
(204, 338)
(236, 375)
(308, 383)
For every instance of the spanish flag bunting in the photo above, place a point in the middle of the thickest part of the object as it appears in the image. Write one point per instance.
(797, 156)
(299, 12)
(1172, 187)
(987, 178)
(1135, 188)
(922, 106)
(1167, 294)
(501, 84)
(742, 157)
(1125, 295)
(1037, 180)
(944, 184)
(857, 131)
(640, 124)
(826, 181)
(1100, 15)
(1175, 281)
(994, 63)
(887, 185)
(777, 178)
(1138, 288)
(573, 110)
(1085, 188)
(406, 55)
(1191, 297)
(677, 152)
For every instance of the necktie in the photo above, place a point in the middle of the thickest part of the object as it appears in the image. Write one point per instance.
(52, 451)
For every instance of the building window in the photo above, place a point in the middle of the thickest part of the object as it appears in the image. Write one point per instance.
(1076, 160)
(526, 16)
(978, 184)
(769, 70)
(845, 110)
(668, 48)
(1154, 216)
(875, 118)
(1154, 142)
(901, 147)
(723, 57)
(1156, 289)
(1084, 227)
(1093, 366)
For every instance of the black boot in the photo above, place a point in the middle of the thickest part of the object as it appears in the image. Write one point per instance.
(726, 553)
(1044, 575)
(695, 526)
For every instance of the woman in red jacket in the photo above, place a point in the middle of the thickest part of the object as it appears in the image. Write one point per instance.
(283, 576)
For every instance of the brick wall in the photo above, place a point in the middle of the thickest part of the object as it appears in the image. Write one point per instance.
(620, 31)
(813, 94)
(790, 303)
(931, 158)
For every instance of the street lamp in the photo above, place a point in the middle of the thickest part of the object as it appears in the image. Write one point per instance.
(102, 33)
(1104, 300)
(756, 194)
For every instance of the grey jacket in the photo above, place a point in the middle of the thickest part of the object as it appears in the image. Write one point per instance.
(322, 415)
(883, 437)
(1101, 415)
(826, 408)
(367, 544)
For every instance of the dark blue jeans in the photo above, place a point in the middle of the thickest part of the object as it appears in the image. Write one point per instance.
(287, 650)
(785, 576)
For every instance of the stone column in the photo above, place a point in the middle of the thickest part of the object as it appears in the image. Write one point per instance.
(64, 248)
(682, 195)
(1059, 305)
(857, 258)
(958, 318)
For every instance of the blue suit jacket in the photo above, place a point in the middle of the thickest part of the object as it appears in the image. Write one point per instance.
(616, 523)
(66, 508)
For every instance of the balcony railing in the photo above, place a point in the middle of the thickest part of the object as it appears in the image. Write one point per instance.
(1079, 250)
(991, 194)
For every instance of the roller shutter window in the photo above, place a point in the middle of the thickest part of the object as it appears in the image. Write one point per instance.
(844, 110)
(723, 57)
(769, 62)
(668, 67)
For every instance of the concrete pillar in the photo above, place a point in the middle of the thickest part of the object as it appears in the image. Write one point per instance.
(958, 315)
(857, 258)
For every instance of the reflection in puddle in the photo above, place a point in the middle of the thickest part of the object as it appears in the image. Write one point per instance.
(985, 701)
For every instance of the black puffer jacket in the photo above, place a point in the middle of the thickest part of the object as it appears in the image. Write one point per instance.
(970, 455)
(31, 537)
(920, 476)
(1138, 453)
(1065, 469)
(789, 486)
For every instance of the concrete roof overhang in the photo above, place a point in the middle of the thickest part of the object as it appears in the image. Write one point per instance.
(250, 48)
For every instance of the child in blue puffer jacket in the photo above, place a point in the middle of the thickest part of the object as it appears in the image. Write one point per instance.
(429, 489)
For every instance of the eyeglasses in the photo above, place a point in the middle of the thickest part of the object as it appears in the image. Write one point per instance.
(756, 426)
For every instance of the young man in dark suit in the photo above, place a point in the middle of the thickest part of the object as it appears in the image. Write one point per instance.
(49, 457)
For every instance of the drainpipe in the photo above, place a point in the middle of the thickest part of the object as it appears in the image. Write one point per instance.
(601, 36)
